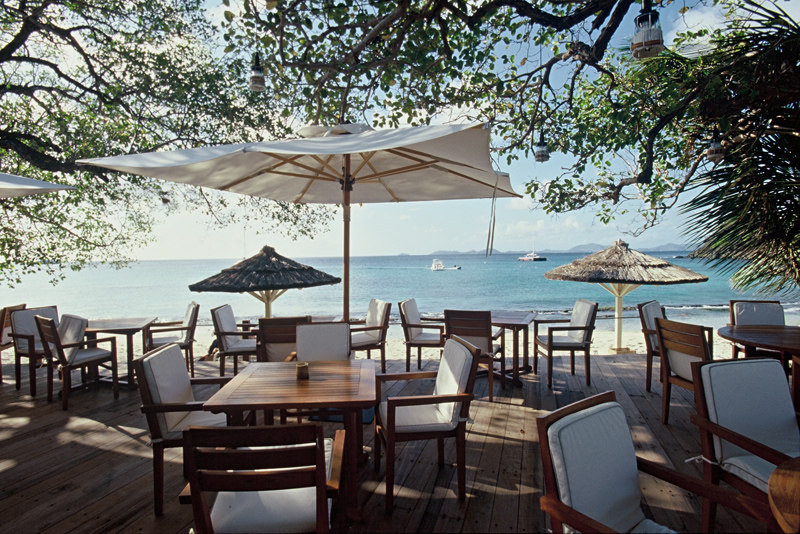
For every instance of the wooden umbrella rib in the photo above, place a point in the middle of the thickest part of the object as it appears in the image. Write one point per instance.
(366, 161)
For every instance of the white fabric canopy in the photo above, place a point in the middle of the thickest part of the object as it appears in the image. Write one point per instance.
(12, 185)
(390, 165)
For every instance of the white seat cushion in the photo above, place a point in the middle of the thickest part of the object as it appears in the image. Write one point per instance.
(323, 342)
(23, 322)
(680, 363)
(160, 341)
(360, 339)
(751, 397)
(71, 329)
(241, 344)
(169, 383)
(651, 311)
(290, 510)
(426, 338)
(278, 352)
(195, 418)
(595, 465)
(423, 418)
(452, 377)
(411, 315)
(581, 316)
(90, 354)
(560, 340)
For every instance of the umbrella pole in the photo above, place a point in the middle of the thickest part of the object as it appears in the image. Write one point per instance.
(347, 186)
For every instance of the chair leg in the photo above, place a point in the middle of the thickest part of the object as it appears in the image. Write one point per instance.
(389, 475)
(461, 463)
(49, 383)
(665, 395)
(440, 451)
(32, 374)
(588, 368)
(376, 446)
(419, 358)
(549, 369)
(66, 386)
(235, 364)
(115, 377)
(190, 355)
(383, 358)
(221, 364)
(17, 369)
(490, 376)
(408, 358)
(649, 371)
(572, 362)
(158, 479)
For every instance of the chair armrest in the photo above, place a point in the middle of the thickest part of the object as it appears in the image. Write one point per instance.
(710, 340)
(566, 514)
(432, 319)
(168, 328)
(419, 400)
(165, 323)
(337, 457)
(499, 333)
(357, 321)
(543, 321)
(439, 327)
(368, 328)
(750, 445)
(240, 333)
(195, 406)
(380, 378)
(729, 498)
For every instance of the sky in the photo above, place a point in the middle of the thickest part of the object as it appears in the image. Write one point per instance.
(426, 227)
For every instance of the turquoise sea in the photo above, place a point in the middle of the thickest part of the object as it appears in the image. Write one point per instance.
(497, 282)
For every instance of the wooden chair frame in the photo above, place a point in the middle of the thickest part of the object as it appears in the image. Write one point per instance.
(654, 351)
(234, 354)
(432, 324)
(54, 352)
(34, 356)
(712, 473)
(385, 434)
(5, 323)
(277, 330)
(561, 513)
(158, 441)
(682, 337)
(380, 343)
(215, 461)
(547, 349)
(177, 326)
(467, 324)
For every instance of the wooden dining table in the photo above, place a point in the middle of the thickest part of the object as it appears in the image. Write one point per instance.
(348, 386)
(128, 327)
(784, 495)
(784, 339)
(518, 322)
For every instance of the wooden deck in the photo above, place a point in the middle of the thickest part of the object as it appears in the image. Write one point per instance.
(89, 469)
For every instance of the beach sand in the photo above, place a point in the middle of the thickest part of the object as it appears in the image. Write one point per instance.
(602, 341)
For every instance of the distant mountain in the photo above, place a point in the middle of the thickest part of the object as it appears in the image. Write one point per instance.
(586, 248)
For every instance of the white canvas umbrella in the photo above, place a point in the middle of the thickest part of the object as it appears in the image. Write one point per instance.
(390, 165)
(12, 185)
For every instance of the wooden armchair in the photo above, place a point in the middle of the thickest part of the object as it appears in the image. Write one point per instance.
(475, 327)
(414, 331)
(180, 332)
(444, 413)
(277, 337)
(681, 344)
(748, 424)
(577, 336)
(28, 344)
(372, 336)
(758, 312)
(262, 479)
(169, 404)
(66, 348)
(6, 342)
(591, 471)
(648, 313)
(231, 340)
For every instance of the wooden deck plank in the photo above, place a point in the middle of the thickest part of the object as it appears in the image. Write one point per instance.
(90, 469)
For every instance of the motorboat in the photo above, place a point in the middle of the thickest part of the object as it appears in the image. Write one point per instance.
(532, 256)
(437, 265)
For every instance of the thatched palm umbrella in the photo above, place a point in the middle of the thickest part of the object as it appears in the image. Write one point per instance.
(266, 276)
(619, 270)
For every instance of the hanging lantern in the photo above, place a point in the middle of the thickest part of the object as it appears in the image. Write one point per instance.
(540, 152)
(715, 152)
(257, 82)
(648, 41)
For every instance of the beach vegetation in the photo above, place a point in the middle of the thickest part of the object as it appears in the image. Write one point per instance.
(635, 132)
(108, 77)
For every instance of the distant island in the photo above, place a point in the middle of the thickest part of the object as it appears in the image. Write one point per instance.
(586, 248)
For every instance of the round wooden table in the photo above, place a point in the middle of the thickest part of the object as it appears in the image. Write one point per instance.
(784, 495)
(785, 339)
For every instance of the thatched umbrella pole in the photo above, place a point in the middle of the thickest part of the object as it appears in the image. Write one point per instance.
(619, 291)
(267, 297)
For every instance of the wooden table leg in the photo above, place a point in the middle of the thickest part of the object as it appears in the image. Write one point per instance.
(352, 446)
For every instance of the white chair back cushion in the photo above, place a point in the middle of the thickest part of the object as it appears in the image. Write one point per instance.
(226, 322)
(758, 313)
(23, 322)
(323, 342)
(168, 382)
(452, 377)
(278, 352)
(752, 398)
(581, 316)
(71, 329)
(412, 316)
(595, 465)
(188, 318)
(375, 312)
(650, 312)
(681, 363)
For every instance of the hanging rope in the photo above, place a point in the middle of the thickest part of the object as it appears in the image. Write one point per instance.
(492, 218)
